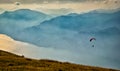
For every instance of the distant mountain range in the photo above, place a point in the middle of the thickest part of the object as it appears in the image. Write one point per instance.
(85, 22)
(20, 19)
(51, 33)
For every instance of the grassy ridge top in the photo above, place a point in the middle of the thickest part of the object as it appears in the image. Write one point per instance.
(12, 62)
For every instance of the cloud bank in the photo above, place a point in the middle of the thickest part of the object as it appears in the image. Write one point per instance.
(49, 6)
(55, 1)
(32, 51)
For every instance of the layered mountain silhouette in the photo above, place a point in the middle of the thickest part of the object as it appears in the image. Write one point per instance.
(20, 19)
(91, 23)
(61, 27)
(50, 32)
(85, 22)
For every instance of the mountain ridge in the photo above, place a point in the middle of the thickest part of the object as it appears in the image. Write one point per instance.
(20, 19)
(78, 23)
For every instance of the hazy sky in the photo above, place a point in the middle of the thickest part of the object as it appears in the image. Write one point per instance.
(47, 1)
(59, 6)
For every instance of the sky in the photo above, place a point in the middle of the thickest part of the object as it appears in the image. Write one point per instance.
(42, 1)
(59, 6)
(52, 1)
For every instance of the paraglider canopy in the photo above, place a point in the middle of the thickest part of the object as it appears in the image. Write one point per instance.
(91, 39)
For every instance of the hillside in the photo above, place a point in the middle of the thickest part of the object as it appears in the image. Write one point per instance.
(12, 62)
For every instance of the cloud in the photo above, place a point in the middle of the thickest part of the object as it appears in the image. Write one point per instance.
(54, 6)
(57, 6)
(55, 12)
(32, 51)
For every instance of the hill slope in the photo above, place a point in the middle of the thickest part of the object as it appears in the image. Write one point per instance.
(9, 61)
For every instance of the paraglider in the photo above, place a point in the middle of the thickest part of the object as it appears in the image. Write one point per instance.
(92, 39)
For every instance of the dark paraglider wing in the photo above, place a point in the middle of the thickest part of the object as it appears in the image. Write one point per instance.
(92, 39)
